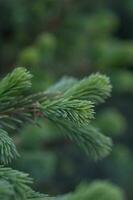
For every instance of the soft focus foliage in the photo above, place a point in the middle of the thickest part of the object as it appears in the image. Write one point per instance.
(59, 40)
(70, 110)
(98, 191)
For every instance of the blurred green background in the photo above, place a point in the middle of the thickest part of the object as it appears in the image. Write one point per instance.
(73, 38)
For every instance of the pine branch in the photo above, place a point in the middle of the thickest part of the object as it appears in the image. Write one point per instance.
(95, 144)
(7, 148)
(95, 88)
(22, 109)
(73, 109)
(12, 97)
(6, 189)
(65, 111)
(17, 186)
(15, 83)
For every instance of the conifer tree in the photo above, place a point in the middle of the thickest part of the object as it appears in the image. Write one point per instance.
(69, 104)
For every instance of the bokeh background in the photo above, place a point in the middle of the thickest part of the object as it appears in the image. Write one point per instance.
(55, 38)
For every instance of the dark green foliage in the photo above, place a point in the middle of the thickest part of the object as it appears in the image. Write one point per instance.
(111, 122)
(53, 39)
(98, 190)
(14, 185)
(72, 110)
(96, 88)
(93, 141)
(7, 148)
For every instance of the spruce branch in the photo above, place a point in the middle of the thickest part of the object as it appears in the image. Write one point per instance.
(7, 148)
(95, 88)
(15, 83)
(73, 109)
(19, 185)
(70, 108)
(6, 189)
(12, 97)
(95, 144)
(68, 111)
